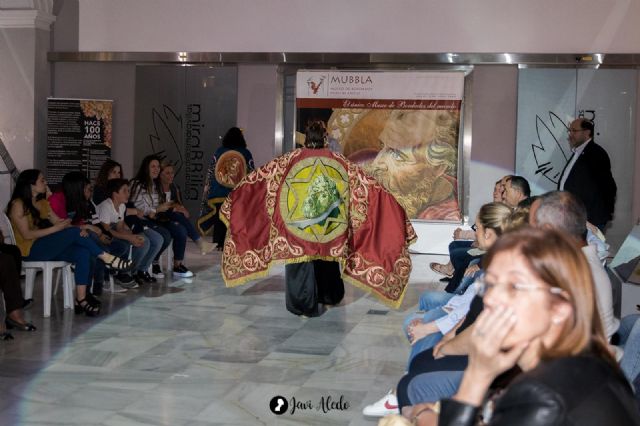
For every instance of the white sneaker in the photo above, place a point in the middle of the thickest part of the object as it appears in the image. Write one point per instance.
(156, 271)
(387, 405)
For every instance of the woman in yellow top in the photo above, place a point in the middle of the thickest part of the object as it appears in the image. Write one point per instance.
(42, 236)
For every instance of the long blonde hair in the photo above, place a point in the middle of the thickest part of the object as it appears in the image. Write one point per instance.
(558, 261)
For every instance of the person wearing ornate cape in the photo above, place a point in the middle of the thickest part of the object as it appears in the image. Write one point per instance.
(313, 204)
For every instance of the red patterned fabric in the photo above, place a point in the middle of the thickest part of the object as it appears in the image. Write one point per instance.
(278, 214)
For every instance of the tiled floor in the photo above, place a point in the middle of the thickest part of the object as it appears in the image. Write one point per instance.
(196, 353)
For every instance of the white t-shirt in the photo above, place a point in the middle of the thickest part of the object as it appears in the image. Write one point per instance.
(107, 212)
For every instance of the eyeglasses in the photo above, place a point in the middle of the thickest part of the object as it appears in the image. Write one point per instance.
(512, 289)
(474, 228)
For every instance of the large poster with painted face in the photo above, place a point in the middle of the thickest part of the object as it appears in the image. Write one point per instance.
(401, 127)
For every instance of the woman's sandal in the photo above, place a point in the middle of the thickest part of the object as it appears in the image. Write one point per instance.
(119, 264)
(439, 268)
(89, 309)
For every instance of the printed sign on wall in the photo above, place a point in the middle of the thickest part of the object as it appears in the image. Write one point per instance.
(78, 136)
(402, 127)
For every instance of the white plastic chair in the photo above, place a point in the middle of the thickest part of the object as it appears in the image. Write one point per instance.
(47, 268)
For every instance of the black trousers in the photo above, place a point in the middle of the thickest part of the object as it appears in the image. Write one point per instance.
(311, 283)
(14, 252)
(219, 228)
(10, 283)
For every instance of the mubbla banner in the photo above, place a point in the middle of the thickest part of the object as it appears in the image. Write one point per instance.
(402, 127)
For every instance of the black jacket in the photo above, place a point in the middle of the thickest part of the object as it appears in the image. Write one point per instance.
(591, 181)
(580, 390)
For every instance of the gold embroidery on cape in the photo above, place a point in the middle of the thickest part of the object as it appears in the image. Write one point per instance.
(314, 199)
(390, 285)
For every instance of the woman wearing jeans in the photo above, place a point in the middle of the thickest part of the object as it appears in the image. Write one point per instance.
(42, 236)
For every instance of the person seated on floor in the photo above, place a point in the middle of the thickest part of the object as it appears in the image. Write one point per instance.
(516, 189)
(441, 312)
(13, 301)
(43, 236)
(463, 240)
(73, 201)
(178, 213)
(144, 246)
(541, 316)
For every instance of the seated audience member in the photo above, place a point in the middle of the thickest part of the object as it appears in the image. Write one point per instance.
(541, 316)
(516, 189)
(459, 249)
(74, 202)
(43, 236)
(113, 170)
(441, 312)
(563, 211)
(13, 301)
(178, 215)
(145, 194)
(145, 245)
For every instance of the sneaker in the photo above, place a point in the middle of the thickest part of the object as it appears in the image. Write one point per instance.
(387, 405)
(182, 272)
(156, 271)
(126, 281)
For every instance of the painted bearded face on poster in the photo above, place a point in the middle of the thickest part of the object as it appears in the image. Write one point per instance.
(417, 163)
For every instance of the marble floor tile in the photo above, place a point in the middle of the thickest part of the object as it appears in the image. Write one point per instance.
(193, 352)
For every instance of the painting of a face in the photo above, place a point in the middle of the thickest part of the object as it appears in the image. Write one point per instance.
(412, 153)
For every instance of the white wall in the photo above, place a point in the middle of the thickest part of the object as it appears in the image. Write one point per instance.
(545, 26)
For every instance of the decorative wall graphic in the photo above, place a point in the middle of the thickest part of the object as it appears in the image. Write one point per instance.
(402, 127)
(78, 136)
(545, 150)
(548, 100)
(181, 115)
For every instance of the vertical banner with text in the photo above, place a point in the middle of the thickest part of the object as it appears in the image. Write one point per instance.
(78, 136)
(402, 127)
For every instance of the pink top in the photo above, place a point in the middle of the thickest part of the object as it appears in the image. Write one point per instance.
(59, 204)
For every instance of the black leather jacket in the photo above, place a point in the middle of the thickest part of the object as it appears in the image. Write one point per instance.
(581, 390)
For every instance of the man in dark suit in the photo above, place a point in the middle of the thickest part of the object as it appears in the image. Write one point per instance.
(587, 175)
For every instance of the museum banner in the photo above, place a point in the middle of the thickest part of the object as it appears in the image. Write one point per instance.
(78, 136)
(402, 127)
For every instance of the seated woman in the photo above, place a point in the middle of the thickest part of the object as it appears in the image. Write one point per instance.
(13, 301)
(111, 214)
(541, 316)
(43, 236)
(440, 312)
(178, 214)
(74, 202)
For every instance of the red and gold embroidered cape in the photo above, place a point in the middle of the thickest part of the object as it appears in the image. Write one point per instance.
(281, 213)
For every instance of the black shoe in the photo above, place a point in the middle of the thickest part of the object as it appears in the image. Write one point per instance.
(91, 298)
(6, 336)
(124, 278)
(27, 303)
(144, 278)
(11, 324)
(182, 272)
(156, 271)
(87, 307)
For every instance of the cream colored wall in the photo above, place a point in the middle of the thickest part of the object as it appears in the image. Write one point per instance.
(525, 26)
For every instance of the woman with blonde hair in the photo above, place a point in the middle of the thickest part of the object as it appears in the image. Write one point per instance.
(541, 316)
